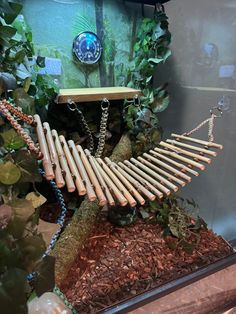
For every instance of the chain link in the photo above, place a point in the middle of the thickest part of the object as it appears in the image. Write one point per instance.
(103, 127)
(73, 107)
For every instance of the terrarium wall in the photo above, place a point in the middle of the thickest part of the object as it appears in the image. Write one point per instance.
(55, 23)
(201, 73)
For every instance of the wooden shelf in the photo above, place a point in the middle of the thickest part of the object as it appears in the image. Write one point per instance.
(96, 94)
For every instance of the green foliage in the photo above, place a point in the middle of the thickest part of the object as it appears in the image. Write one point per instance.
(11, 140)
(177, 217)
(17, 58)
(151, 48)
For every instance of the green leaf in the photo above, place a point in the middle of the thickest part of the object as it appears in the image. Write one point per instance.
(40, 61)
(188, 247)
(28, 166)
(36, 199)
(12, 140)
(32, 248)
(22, 208)
(23, 100)
(9, 173)
(47, 230)
(13, 291)
(11, 11)
(155, 136)
(26, 84)
(16, 227)
(45, 281)
(160, 104)
(141, 137)
(7, 31)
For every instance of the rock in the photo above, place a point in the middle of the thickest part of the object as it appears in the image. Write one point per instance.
(48, 303)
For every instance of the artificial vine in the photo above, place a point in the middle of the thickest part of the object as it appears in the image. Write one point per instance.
(19, 65)
(151, 48)
(22, 233)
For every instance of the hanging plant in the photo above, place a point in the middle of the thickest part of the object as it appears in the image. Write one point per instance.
(151, 48)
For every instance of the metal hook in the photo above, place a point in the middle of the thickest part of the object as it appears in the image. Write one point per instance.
(71, 105)
(216, 111)
(105, 104)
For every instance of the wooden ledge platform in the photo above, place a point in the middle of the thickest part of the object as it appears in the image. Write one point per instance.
(96, 94)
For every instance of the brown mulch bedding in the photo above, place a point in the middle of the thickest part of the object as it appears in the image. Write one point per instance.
(117, 263)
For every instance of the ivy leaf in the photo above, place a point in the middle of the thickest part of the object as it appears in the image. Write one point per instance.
(47, 229)
(40, 61)
(12, 140)
(28, 165)
(27, 83)
(22, 208)
(23, 100)
(13, 291)
(188, 247)
(9, 173)
(160, 104)
(141, 137)
(155, 136)
(45, 281)
(11, 11)
(36, 199)
(32, 248)
(7, 31)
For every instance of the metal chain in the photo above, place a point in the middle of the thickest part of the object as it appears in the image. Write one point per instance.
(103, 127)
(23, 134)
(73, 107)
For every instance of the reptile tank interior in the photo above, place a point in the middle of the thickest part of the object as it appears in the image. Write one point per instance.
(117, 156)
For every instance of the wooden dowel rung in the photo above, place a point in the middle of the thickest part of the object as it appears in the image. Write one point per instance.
(46, 161)
(117, 183)
(107, 192)
(139, 186)
(78, 180)
(92, 176)
(122, 178)
(54, 157)
(90, 191)
(195, 140)
(119, 196)
(164, 165)
(63, 162)
(185, 152)
(198, 149)
(152, 174)
(127, 166)
(163, 172)
(179, 157)
(161, 154)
